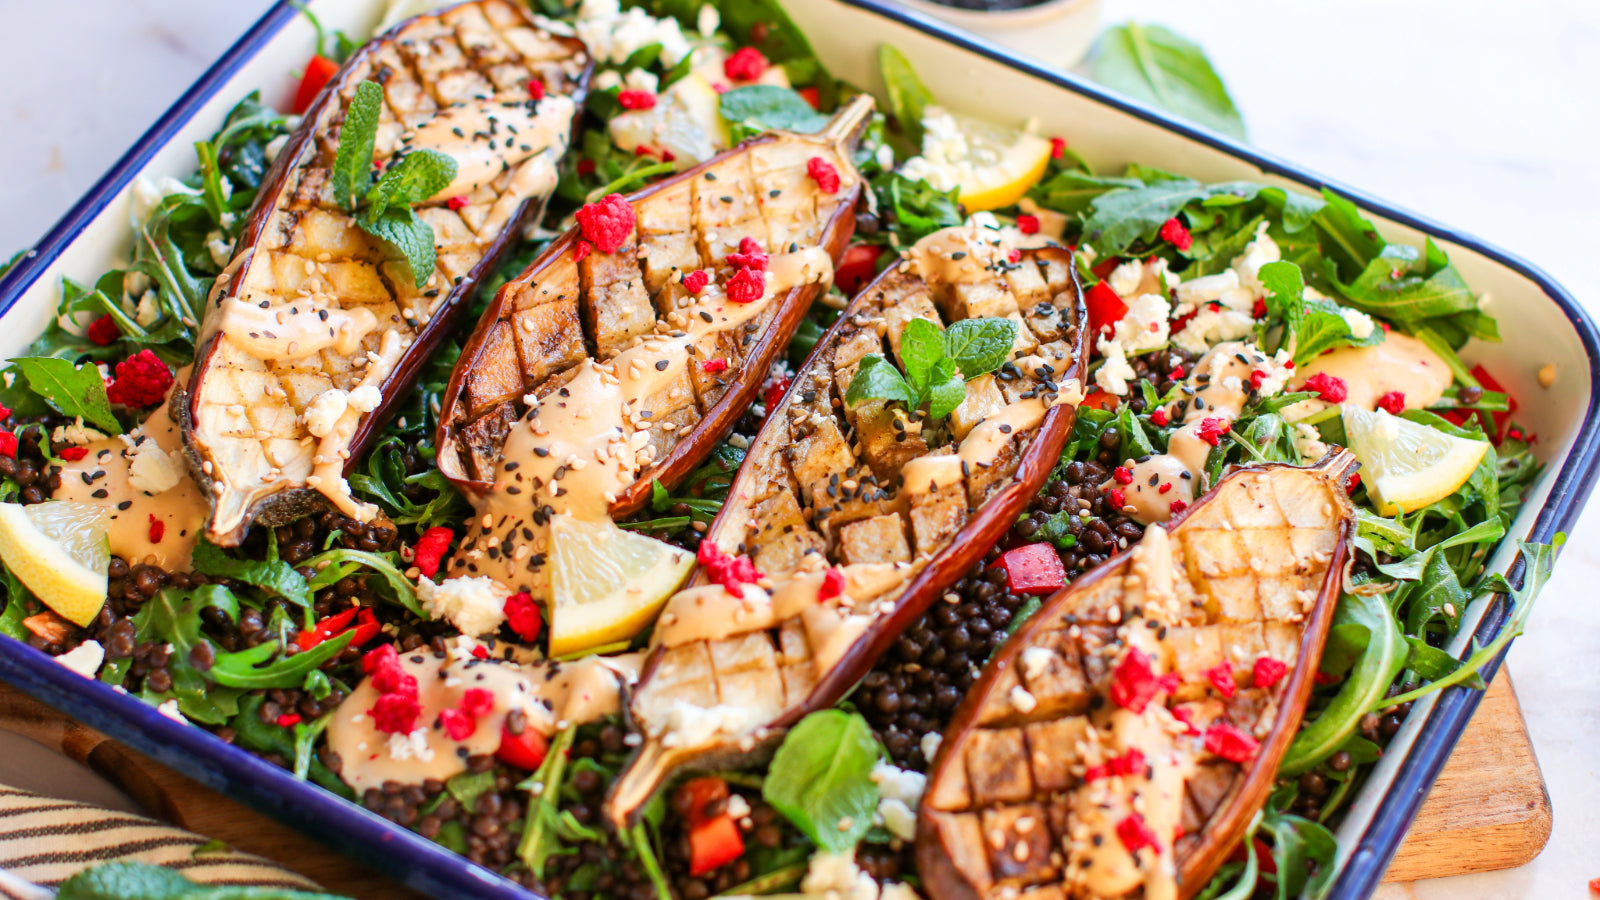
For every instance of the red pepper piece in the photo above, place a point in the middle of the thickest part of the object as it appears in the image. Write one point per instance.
(368, 628)
(525, 751)
(713, 844)
(326, 629)
(319, 71)
(1099, 399)
(1106, 309)
(1033, 569)
(859, 264)
(811, 96)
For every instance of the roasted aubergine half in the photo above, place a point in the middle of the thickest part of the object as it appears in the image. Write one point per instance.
(316, 327)
(850, 518)
(1120, 742)
(666, 297)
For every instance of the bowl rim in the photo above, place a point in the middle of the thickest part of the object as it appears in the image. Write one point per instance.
(432, 868)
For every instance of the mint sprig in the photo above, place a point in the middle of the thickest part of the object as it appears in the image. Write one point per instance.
(938, 363)
(383, 208)
(1315, 324)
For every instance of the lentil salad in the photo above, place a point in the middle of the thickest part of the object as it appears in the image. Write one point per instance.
(163, 628)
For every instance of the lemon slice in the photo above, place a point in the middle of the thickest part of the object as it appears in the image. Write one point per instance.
(992, 167)
(607, 584)
(1407, 466)
(686, 122)
(58, 550)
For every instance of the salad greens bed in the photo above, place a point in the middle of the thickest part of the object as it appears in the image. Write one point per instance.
(1416, 579)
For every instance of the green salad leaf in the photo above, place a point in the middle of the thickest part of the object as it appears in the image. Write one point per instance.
(75, 391)
(766, 107)
(1159, 66)
(821, 778)
(937, 363)
(272, 575)
(143, 881)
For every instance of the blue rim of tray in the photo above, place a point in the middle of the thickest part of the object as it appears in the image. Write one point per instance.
(430, 867)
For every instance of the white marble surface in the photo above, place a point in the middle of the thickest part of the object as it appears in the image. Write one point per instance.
(1480, 114)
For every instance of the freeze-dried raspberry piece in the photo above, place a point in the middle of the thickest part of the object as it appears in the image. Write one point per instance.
(732, 572)
(477, 702)
(431, 549)
(745, 65)
(535, 89)
(1393, 403)
(1268, 672)
(141, 380)
(158, 529)
(1230, 743)
(1136, 835)
(103, 330)
(1221, 678)
(824, 174)
(1328, 387)
(696, 281)
(523, 615)
(832, 584)
(1133, 684)
(713, 366)
(607, 222)
(1173, 232)
(750, 256)
(457, 724)
(1028, 224)
(73, 454)
(457, 203)
(746, 286)
(1212, 430)
(636, 99)
(395, 714)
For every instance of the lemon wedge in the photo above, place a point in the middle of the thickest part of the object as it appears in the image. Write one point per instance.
(1405, 465)
(992, 167)
(686, 122)
(607, 584)
(58, 550)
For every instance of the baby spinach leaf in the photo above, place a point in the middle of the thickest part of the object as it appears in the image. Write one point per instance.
(1120, 217)
(821, 778)
(1159, 66)
(767, 107)
(71, 390)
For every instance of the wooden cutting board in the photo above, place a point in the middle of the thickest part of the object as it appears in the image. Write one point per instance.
(1488, 810)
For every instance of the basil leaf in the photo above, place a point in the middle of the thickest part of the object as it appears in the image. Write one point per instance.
(944, 397)
(767, 107)
(71, 390)
(352, 162)
(921, 351)
(821, 778)
(878, 379)
(407, 234)
(1159, 66)
(979, 346)
(908, 96)
(276, 578)
(419, 175)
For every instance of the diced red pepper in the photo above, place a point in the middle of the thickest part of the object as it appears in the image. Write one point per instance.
(773, 393)
(860, 263)
(713, 843)
(1098, 399)
(368, 628)
(1103, 269)
(810, 95)
(318, 72)
(1033, 569)
(524, 751)
(327, 629)
(1106, 309)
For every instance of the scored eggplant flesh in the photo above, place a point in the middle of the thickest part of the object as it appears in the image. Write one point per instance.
(315, 327)
(566, 316)
(1055, 780)
(902, 506)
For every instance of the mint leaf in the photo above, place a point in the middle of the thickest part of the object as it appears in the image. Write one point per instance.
(943, 398)
(352, 162)
(277, 578)
(71, 390)
(878, 379)
(1317, 325)
(143, 881)
(979, 346)
(921, 350)
(418, 175)
(821, 778)
(767, 107)
(1161, 67)
(408, 234)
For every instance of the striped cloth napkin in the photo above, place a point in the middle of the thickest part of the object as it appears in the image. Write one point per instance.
(45, 841)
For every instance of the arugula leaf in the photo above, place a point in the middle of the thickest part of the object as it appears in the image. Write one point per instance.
(173, 616)
(72, 390)
(1159, 66)
(408, 234)
(918, 209)
(821, 778)
(767, 107)
(908, 96)
(251, 670)
(979, 346)
(276, 577)
(1347, 238)
(541, 830)
(1300, 847)
(877, 379)
(1120, 217)
(403, 591)
(1072, 191)
(417, 176)
(351, 175)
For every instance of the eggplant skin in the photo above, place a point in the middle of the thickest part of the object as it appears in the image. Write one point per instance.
(1252, 569)
(561, 311)
(425, 64)
(805, 488)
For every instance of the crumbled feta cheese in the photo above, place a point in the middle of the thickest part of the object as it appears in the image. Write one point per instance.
(76, 433)
(274, 147)
(898, 818)
(85, 659)
(169, 708)
(365, 398)
(1222, 287)
(1124, 279)
(613, 34)
(1360, 323)
(1308, 443)
(1036, 662)
(1257, 253)
(411, 746)
(945, 152)
(900, 784)
(1277, 374)
(688, 724)
(836, 875)
(474, 605)
(884, 154)
(607, 80)
(1145, 326)
(737, 806)
(324, 411)
(640, 80)
(218, 246)
(1213, 325)
(1114, 372)
(152, 469)
(930, 745)
(708, 21)
(1022, 701)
